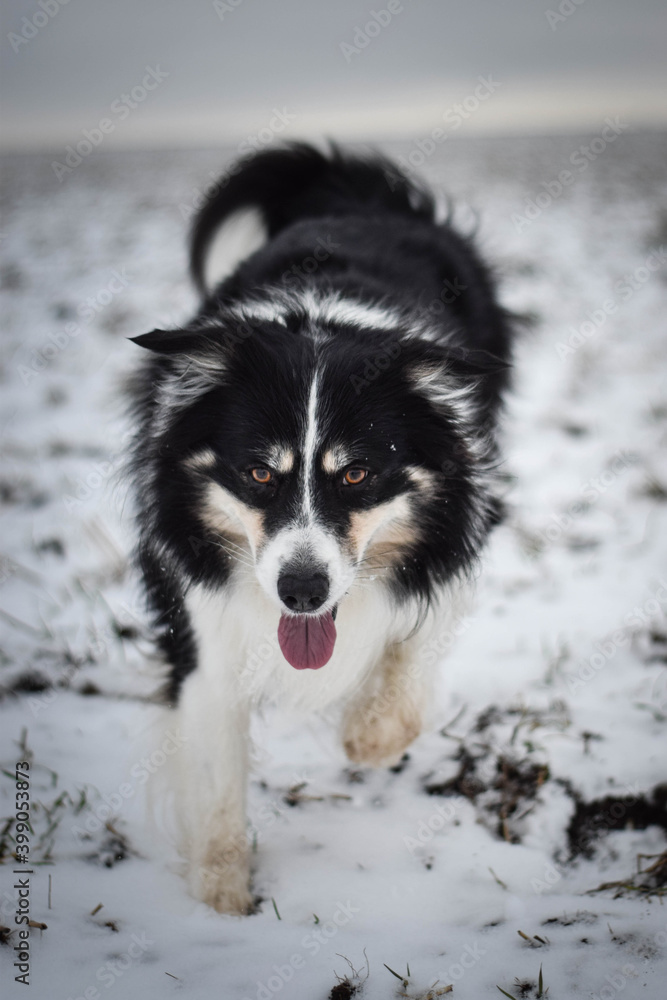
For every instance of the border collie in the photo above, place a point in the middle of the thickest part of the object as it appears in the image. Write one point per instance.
(313, 471)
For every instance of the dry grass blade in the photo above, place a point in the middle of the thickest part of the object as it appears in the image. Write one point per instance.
(499, 881)
(647, 882)
(400, 978)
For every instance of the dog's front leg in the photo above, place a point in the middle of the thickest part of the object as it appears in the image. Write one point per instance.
(386, 715)
(212, 793)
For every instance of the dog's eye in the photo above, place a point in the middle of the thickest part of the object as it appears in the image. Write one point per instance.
(261, 475)
(354, 476)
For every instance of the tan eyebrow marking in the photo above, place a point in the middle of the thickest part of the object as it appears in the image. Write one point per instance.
(335, 459)
(424, 480)
(201, 460)
(280, 458)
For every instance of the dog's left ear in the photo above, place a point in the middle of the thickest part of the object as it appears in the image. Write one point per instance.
(433, 370)
(172, 341)
(474, 363)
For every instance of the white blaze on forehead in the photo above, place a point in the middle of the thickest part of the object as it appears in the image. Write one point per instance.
(310, 446)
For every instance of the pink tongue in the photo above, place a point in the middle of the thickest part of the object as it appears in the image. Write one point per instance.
(307, 642)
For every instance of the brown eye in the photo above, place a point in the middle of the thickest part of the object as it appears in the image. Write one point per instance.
(261, 475)
(355, 476)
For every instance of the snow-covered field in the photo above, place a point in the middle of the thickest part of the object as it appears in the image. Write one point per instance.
(542, 775)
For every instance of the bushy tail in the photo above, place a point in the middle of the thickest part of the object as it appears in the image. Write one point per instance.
(277, 187)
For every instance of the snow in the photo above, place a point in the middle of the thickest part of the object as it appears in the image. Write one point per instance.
(559, 672)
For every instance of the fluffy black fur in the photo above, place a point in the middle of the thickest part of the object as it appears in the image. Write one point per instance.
(233, 382)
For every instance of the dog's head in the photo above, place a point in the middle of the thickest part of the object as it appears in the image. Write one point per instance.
(318, 463)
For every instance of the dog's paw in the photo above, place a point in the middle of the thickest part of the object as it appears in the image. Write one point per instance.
(226, 898)
(224, 886)
(380, 738)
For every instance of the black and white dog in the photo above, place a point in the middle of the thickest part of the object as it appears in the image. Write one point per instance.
(313, 471)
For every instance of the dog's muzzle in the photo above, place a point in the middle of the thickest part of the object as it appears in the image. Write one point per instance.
(303, 592)
(306, 639)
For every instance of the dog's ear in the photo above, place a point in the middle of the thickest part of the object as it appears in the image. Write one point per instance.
(173, 341)
(474, 363)
(436, 365)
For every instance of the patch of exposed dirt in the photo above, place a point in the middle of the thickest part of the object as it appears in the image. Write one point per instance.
(592, 820)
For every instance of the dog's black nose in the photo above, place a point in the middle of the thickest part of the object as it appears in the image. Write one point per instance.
(303, 592)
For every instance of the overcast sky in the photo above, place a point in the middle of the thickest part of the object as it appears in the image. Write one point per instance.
(219, 73)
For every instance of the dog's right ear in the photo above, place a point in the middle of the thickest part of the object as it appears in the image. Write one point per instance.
(172, 341)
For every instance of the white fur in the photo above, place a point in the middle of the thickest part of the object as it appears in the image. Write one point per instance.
(240, 235)
(281, 302)
(336, 309)
(309, 448)
(378, 682)
(210, 789)
(335, 459)
(311, 544)
(281, 457)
